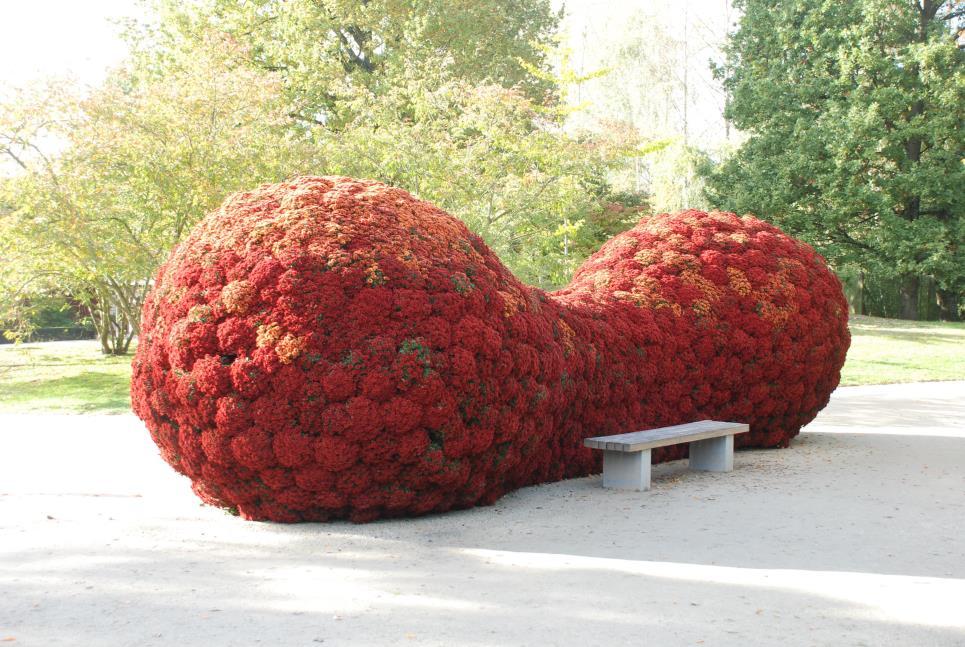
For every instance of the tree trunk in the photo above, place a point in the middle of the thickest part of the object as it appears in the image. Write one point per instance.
(859, 306)
(910, 283)
(114, 318)
(908, 293)
(947, 305)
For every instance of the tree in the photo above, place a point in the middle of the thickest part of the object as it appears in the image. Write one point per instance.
(324, 50)
(108, 183)
(455, 102)
(856, 134)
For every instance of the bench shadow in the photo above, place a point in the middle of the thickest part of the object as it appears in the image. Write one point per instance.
(384, 584)
(841, 536)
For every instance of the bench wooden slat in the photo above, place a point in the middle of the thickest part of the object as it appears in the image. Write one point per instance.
(640, 440)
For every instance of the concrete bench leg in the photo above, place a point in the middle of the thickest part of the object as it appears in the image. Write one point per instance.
(626, 470)
(713, 454)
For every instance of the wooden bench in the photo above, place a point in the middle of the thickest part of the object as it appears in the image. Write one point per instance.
(626, 457)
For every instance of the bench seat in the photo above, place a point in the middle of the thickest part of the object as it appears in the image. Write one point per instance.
(626, 457)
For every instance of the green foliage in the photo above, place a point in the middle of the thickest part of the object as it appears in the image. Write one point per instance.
(324, 51)
(856, 134)
(675, 183)
(43, 316)
(879, 295)
(135, 164)
(455, 102)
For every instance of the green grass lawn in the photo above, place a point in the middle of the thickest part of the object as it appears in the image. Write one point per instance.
(64, 377)
(889, 351)
(73, 376)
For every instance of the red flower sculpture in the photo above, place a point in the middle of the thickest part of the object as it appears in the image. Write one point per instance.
(332, 348)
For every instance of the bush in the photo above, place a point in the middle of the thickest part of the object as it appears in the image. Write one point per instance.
(332, 348)
(44, 317)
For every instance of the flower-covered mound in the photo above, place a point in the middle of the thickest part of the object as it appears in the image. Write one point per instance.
(334, 348)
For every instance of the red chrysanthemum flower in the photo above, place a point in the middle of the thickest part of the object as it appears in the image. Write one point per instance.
(330, 348)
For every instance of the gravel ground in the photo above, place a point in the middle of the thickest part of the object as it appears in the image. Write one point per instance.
(853, 536)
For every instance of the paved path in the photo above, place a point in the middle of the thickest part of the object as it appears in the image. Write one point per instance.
(854, 536)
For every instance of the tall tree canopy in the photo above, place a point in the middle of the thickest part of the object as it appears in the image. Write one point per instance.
(108, 182)
(854, 111)
(458, 102)
(325, 50)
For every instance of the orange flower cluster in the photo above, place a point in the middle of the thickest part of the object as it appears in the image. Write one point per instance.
(334, 348)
